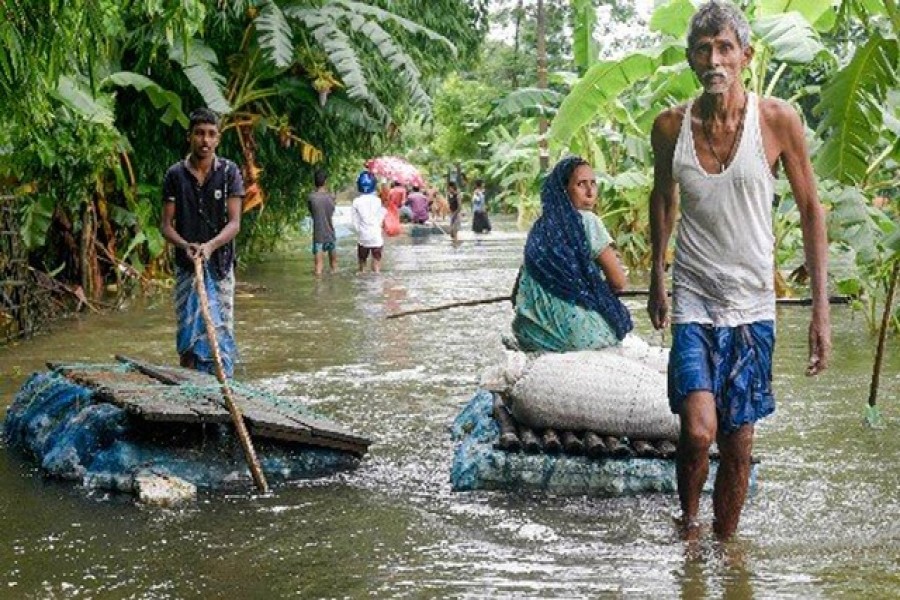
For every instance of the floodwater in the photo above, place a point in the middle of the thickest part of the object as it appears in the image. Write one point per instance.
(824, 521)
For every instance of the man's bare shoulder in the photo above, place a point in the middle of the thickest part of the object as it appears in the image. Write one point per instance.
(667, 124)
(776, 113)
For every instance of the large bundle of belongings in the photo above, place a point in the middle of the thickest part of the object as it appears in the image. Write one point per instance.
(162, 433)
(592, 422)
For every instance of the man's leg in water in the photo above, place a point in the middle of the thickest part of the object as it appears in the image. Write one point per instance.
(732, 480)
(698, 430)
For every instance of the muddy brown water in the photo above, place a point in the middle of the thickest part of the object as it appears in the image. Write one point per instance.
(824, 521)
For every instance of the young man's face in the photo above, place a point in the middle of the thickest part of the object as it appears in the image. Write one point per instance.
(204, 139)
(718, 60)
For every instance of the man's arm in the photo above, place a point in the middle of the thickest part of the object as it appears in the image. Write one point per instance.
(663, 198)
(167, 221)
(795, 158)
(167, 227)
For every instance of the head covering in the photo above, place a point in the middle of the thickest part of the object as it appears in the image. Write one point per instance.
(366, 182)
(558, 257)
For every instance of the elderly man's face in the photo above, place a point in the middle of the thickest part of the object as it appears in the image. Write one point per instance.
(718, 60)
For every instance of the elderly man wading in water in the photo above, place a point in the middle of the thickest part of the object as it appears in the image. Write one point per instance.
(723, 150)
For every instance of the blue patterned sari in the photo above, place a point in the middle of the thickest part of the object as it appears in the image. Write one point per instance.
(563, 302)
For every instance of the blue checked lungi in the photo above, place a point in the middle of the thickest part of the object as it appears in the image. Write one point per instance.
(191, 335)
(734, 363)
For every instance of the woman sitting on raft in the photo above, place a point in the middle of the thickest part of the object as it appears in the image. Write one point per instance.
(565, 295)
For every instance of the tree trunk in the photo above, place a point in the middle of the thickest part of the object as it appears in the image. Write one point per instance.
(520, 10)
(543, 152)
(882, 333)
(91, 280)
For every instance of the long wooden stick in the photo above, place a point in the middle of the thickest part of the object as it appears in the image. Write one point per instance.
(421, 311)
(885, 320)
(623, 294)
(237, 418)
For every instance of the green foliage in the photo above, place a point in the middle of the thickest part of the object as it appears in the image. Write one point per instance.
(460, 108)
(527, 102)
(199, 63)
(672, 19)
(584, 46)
(815, 12)
(159, 97)
(604, 82)
(851, 111)
(275, 35)
(37, 215)
(790, 36)
(82, 101)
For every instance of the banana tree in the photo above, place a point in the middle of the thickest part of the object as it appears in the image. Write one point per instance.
(515, 165)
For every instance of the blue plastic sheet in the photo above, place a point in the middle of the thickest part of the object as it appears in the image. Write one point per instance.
(73, 436)
(478, 465)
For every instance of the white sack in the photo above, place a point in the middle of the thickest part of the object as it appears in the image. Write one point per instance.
(594, 390)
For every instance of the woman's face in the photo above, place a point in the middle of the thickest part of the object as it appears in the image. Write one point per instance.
(582, 188)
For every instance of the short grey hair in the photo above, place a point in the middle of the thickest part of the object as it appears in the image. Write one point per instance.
(715, 17)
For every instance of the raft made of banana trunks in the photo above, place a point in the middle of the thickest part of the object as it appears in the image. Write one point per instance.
(591, 423)
(162, 433)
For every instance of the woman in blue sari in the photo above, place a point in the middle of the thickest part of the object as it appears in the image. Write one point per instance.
(565, 295)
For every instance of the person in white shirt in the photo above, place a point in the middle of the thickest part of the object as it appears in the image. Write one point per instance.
(367, 218)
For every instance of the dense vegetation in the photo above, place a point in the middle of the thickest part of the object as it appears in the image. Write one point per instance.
(95, 93)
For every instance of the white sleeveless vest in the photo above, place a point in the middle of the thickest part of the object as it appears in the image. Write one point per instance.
(723, 270)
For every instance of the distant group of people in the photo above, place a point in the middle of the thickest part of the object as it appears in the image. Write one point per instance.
(379, 210)
(715, 163)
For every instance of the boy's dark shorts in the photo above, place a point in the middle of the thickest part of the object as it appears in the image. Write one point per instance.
(322, 247)
(734, 363)
(363, 253)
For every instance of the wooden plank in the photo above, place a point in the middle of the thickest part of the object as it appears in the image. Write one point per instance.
(322, 428)
(167, 375)
(152, 393)
(358, 448)
(152, 411)
(259, 410)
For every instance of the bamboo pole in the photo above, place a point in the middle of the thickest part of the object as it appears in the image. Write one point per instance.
(622, 294)
(237, 418)
(885, 321)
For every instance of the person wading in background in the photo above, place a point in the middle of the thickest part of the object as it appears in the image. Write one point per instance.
(321, 209)
(367, 217)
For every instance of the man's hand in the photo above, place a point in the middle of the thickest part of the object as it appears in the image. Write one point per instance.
(202, 250)
(819, 345)
(658, 306)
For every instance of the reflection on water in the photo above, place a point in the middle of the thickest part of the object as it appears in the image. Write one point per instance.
(823, 522)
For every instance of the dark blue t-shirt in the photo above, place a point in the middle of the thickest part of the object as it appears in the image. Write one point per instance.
(201, 212)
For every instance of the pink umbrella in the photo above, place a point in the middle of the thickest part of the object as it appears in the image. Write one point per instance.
(394, 168)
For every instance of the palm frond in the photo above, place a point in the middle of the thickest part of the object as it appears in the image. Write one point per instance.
(790, 36)
(604, 82)
(382, 16)
(527, 101)
(275, 36)
(322, 23)
(399, 61)
(584, 47)
(348, 112)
